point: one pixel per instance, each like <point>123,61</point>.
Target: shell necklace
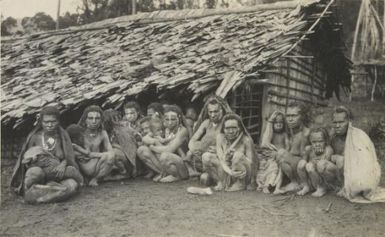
<point>48,143</point>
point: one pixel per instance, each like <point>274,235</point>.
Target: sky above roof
<point>23,8</point>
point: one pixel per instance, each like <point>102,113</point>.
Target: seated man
<point>95,140</point>
<point>56,183</point>
<point>297,120</point>
<point>316,161</point>
<point>204,137</point>
<point>356,160</point>
<point>231,166</point>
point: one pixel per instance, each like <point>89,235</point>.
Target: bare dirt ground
<point>143,208</point>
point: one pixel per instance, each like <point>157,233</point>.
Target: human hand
<point>60,169</point>
<point>197,153</point>
<point>212,149</point>
<point>239,174</point>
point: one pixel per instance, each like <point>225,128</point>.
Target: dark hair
<point>304,111</point>
<point>49,110</point>
<point>132,104</point>
<point>343,109</point>
<point>321,130</point>
<point>174,108</point>
<point>158,107</point>
<point>156,120</point>
<point>89,109</point>
<point>76,134</point>
<point>144,120</point>
<point>232,116</point>
<point>111,119</point>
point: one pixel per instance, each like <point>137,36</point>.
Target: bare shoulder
<point>220,137</point>
<point>306,131</point>
<point>205,123</point>
<point>247,140</point>
<point>35,139</point>
<point>104,134</point>
<point>307,149</point>
<point>183,131</point>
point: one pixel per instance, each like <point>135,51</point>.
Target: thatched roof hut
<point>266,54</point>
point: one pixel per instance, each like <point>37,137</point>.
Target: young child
<point>36,157</point>
<point>309,167</point>
<point>274,138</point>
<point>156,134</point>
<point>191,117</point>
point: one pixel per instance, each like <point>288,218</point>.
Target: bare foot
<point>204,179</point>
<point>319,192</point>
<point>237,186</point>
<point>93,182</point>
<point>157,178</point>
<point>193,173</point>
<point>219,187</point>
<point>278,191</point>
<point>304,190</point>
<point>293,186</point>
<point>149,175</point>
<point>341,192</point>
<point>169,179</point>
<point>266,190</point>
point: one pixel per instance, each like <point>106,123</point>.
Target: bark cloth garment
<point>362,172</point>
<point>17,180</point>
<point>223,149</point>
<point>269,173</point>
<point>207,141</point>
<point>123,138</point>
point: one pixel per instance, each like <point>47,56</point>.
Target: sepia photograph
<point>192,118</point>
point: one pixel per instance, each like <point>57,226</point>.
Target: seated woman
<point>96,141</point>
<point>54,177</point>
<point>123,140</point>
<point>232,167</point>
<point>274,138</point>
<point>167,159</point>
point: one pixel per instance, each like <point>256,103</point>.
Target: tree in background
<point>69,20</point>
<point>7,25</point>
<point>39,22</point>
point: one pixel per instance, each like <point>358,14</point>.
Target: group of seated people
<point>168,145</point>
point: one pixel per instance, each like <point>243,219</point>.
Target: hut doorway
<point>246,101</point>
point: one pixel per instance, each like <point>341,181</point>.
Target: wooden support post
<point>374,84</point>
<point>58,15</point>
<point>133,7</point>
<point>287,82</point>
<point>313,62</point>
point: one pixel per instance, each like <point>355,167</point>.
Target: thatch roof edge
<point>168,15</point>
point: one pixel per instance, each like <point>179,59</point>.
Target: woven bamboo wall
<point>293,78</point>
<point>246,101</point>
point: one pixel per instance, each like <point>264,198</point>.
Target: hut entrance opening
<point>246,101</point>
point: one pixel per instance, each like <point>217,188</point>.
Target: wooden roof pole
<point>383,32</point>
<point>310,29</point>
<point>359,19</point>
<point>58,15</point>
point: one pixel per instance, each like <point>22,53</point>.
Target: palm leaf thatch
<point>108,61</point>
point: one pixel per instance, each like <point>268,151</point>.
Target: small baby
<point>36,157</point>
